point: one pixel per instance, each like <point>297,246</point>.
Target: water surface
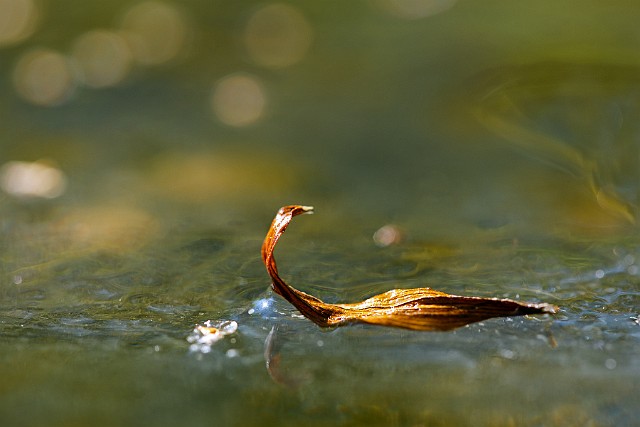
<point>499,139</point>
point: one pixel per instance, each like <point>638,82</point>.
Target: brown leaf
<point>420,309</point>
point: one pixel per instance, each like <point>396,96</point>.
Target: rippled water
<point>498,141</point>
<point>104,338</point>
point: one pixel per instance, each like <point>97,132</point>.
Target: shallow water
<point>498,140</point>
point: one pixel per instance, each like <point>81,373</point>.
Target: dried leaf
<point>420,309</point>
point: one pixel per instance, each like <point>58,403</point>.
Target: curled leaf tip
<point>420,308</point>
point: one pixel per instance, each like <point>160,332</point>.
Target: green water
<point>500,137</point>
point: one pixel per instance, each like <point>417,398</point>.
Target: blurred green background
<point>145,146</point>
<point>386,103</point>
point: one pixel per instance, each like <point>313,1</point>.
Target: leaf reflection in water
<point>273,360</point>
<point>419,309</point>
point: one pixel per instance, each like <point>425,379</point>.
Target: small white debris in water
<point>204,336</point>
<point>387,235</point>
<point>599,274</point>
<point>232,352</point>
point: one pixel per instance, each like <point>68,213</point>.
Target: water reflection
<point>277,36</point>
<point>32,180</point>
<point>207,334</point>
<point>159,225</point>
<point>104,58</point>
<point>583,119</point>
<point>157,31</point>
<point>416,9</point>
<point>150,33</point>
<point>278,371</point>
<point>18,20</point>
<point>208,175</point>
<point>238,100</point>
<point>44,77</point>
<point>111,228</point>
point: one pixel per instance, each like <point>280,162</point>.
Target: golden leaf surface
<point>419,309</point>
